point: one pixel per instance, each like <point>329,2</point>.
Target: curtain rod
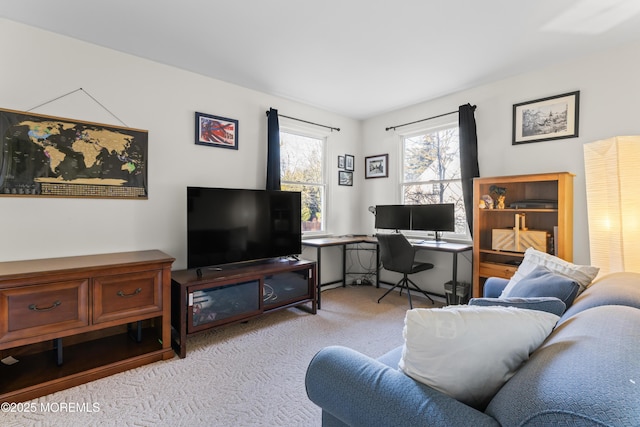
<point>421,120</point>
<point>311,123</point>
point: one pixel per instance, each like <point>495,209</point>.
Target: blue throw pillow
<point>541,282</point>
<point>548,304</point>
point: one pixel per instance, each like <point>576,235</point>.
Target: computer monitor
<point>433,217</point>
<point>393,217</point>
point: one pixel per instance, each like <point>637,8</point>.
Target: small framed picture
<point>376,166</point>
<point>340,162</point>
<point>555,117</point>
<point>349,162</point>
<point>345,178</point>
<point>216,131</point>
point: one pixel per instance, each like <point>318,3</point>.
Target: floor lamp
<point>612,175</point>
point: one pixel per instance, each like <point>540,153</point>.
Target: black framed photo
<point>345,178</point>
<point>340,162</point>
<point>555,117</point>
<point>216,131</point>
<point>349,161</point>
<point>376,166</point>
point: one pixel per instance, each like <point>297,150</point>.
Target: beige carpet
<point>248,374</point>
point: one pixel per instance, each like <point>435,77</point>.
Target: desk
<point>444,246</point>
<point>338,241</point>
<point>429,245</point>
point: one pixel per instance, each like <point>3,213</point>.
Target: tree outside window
<point>431,171</point>
<point>301,169</point>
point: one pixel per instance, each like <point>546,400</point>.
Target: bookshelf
<point>555,220</point>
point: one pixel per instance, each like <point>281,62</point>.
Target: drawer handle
<point>134,293</point>
<point>36,308</point>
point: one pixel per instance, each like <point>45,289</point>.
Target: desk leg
<point>318,259</point>
<point>454,277</point>
<point>377,265</point>
<point>344,266</point>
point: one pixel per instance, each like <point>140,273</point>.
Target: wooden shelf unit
<point>488,262</point>
<point>72,320</point>
<point>237,293</point>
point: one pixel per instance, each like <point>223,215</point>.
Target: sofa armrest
<point>494,286</point>
<point>360,391</point>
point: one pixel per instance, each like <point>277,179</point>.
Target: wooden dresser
<point>68,321</point>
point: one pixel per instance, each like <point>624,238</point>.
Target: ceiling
<point>357,58</point>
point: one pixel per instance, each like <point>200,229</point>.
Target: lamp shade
<point>612,175</point>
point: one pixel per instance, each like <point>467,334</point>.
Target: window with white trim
<point>302,166</point>
<point>431,171</point>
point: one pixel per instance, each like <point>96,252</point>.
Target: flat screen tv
<point>433,217</point>
<point>393,217</point>
<point>236,225</point>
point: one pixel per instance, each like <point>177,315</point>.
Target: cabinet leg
<point>57,346</point>
<point>136,334</point>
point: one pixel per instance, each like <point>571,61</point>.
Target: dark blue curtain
<point>273,150</point>
<point>468,157</point>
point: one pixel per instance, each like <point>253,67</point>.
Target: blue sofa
<point>587,373</point>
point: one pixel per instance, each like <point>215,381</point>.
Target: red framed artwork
<point>216,131</point>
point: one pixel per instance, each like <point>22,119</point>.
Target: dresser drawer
<point>134,295</point>
<point>31,311</point>
<point>489,269</point>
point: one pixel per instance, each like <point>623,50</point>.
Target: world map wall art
<point>58,157</point>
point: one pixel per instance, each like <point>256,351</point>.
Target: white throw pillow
<point>469,352</point>
<point>581,274</point>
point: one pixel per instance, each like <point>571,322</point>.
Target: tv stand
<point>206,297</point>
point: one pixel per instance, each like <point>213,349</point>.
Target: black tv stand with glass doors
<point>209,297</point>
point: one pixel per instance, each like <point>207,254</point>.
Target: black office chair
<point>397,254</point>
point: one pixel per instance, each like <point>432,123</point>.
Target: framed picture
<point>216,131</point>
<point>345,178</point>
<point>555,117</point>
<point>376,166</point>
<point>349,162</point>
<point>340,162</point>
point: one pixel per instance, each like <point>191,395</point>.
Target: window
<point>431,171</point>
<point>302,169</point>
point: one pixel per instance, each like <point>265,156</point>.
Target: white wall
<point>609,94</point>
<point>38,66</point>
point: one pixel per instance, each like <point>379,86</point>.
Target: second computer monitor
<point>435,217</point>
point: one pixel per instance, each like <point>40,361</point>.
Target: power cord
<point>268,293</point>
